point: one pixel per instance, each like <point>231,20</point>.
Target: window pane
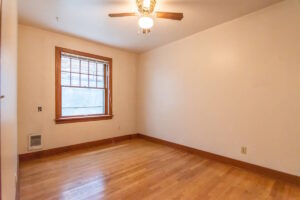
<point>100,81</point>
<point>84,80</point>
<point>65,78</point>
<point>92,68</point>
<point>92,81</point>
<point>84,67</point>
<point>65,64</point>
<point>82,101</point>
<point>100,69</point>
<point>74,79</point>
<point>75,65</point>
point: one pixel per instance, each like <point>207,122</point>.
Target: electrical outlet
<point>244,150</point>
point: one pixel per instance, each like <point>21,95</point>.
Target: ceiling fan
<point>146,13</point>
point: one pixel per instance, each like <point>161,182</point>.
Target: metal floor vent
<point>35,142</point>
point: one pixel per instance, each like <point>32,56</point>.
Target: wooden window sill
<point>64,120</point>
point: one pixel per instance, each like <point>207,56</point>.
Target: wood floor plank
<point>139,169</point>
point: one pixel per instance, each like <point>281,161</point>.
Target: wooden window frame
<point>59,119</point>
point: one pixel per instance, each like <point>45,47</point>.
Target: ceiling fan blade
<point>169,15</point>
<point>122,14</point>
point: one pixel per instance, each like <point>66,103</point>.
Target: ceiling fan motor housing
<point>143,9</point>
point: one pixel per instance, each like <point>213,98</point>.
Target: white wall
<point>237,84</point>
<point>9,103</point>
<point>37,87</point>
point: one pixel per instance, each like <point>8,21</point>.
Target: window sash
<point>94,80</point>
<point>71,108</point>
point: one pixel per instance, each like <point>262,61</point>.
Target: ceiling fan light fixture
<point>146,11</point>
<point>146,22</point>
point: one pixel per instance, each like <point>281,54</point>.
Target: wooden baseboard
<point>255,168</point>
<point>49,152</point>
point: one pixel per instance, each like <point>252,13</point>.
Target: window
<point>83,86</point>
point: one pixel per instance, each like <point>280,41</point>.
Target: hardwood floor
<point>138,169</point>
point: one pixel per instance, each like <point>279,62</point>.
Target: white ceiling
<point>89,19</point>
